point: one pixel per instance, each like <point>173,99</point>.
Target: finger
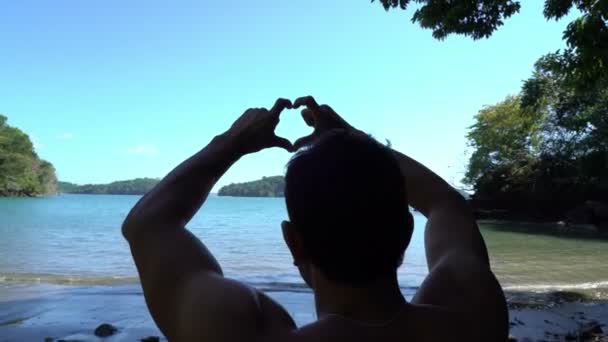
<point>308,117</point>
<point>282,143</point>
<point>279,105</point>
<point>304,141</point>
<point>326,108</point>
<point>307,101</point>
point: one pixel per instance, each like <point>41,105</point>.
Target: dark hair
<point>346,195</point>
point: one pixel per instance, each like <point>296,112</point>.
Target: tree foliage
<point>546,149</point>
<point>506,143</point>
<point>265,187</point>
<point>138,186</point>
<point>22,173</point>
<point>474,18</point>
<point>585,58</point>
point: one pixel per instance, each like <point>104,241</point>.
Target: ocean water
<point>76,239</point>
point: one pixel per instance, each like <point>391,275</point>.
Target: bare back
<point>423,323</point>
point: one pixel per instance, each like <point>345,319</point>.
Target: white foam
<point>558,287</point>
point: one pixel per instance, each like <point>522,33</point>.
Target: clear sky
<point>112,90</point>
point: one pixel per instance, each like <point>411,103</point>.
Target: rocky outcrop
<point>591,213</point>
<point>105,330</point>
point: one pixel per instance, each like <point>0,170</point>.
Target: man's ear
<point>294,242</point>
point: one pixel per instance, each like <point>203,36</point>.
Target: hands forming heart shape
<point>254,130</point>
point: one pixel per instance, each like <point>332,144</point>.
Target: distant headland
<point>137,186</point>
<point>22,172</point>
<point>266,187</point>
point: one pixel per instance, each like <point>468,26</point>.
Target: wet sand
<point>39,311</point>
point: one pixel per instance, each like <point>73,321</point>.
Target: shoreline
<point>33,312</point>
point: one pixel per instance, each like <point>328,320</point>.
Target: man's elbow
<point>131,227</point>
<point>127,229</point>
<point>140,221</point>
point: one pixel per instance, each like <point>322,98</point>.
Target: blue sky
<point>116,90</point>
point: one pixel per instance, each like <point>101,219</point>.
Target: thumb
<point>305,141</point>
<point>282,143</point>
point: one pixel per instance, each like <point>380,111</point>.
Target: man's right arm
<point>460,278</point>
<point>451,227</point>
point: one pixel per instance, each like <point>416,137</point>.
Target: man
<point>349,227</point>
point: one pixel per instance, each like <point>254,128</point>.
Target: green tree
<point>577,117</point>
<point>506,143</point>
<point>546,149</point>
<point>575,152</point>
<point>22,173</point>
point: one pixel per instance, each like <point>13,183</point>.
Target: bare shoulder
<point>214,308</point>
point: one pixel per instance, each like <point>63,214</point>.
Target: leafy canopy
<point>545,148</point>
<point>506,141</point>
<point>22,173</point>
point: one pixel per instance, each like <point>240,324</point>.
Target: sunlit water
<point>76,239</point>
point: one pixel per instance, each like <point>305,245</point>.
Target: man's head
<point>348,209</point>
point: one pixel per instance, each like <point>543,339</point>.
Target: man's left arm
<point>180,277</point>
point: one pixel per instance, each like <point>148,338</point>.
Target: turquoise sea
<point>76,239</point>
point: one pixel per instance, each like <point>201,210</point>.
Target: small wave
<point>558,287</point>
<point>65,279</point>
<point>278,286</point>
<point>270,285</point>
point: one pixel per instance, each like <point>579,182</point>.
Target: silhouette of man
<point>348,230</point>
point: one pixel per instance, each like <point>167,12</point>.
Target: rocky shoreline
<point>119,313</point>
<point>590,217</point>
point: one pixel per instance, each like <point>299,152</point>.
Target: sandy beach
<point>44,312</point>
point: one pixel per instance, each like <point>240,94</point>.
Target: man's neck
<point>376,302</point>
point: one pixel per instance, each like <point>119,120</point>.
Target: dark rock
<point>600,210</point>
<point>582,214</point>
<point>150,339</point>
<point>592,215</point>
<point>591,330</point>
<point>105,330</point>
<point>570,337</point>
<point>49,339</point>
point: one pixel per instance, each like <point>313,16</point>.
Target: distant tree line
<point>22,172</point>
<point>138,186</point>
<point>265,187</point>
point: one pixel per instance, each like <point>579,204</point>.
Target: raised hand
<point>254,130</point>
<point>321,117</point>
